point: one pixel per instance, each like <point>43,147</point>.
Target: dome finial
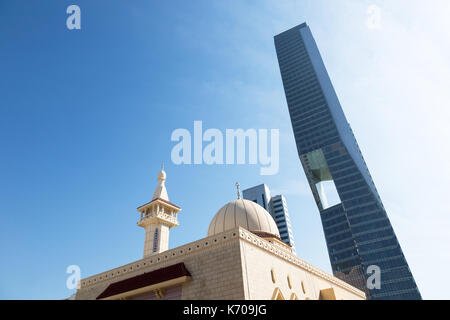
<point>238,189</point>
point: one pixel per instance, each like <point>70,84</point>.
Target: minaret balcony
<point>158,217</point>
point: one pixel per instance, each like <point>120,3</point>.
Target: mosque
<point>241,257</point>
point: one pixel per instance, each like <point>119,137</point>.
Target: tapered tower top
<point>161,191</point>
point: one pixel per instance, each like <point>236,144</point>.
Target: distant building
<point>357,229</point>
<point>242,257</point>
<point>279,212</point>
<point>277,208</point>
<point>259,194</point>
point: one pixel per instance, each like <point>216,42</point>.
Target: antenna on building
<point>238,189</point>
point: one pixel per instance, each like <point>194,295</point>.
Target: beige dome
<point>244,213</point>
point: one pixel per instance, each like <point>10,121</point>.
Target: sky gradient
<point>86,118</point>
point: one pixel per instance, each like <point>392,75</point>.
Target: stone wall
<point>268,271</point>
<point>213,262</point>
<point>235,264</point>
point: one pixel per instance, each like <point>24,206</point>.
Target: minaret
<point>157,218</point>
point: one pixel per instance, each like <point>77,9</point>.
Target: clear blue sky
<point>86,118</point>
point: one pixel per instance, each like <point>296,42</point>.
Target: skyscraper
<point>357,230</point>
<point>279,211</point>
<point>277,208</point>
<point>259,194</point>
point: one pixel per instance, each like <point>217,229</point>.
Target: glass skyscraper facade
<point>280,213</point>
<point>357,229</point>
<point>277,208</point>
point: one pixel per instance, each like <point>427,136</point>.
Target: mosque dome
<point>244,213</point>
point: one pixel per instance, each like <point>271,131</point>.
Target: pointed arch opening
<point>277,294</point>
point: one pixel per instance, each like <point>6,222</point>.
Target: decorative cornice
<point>159,200</point>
